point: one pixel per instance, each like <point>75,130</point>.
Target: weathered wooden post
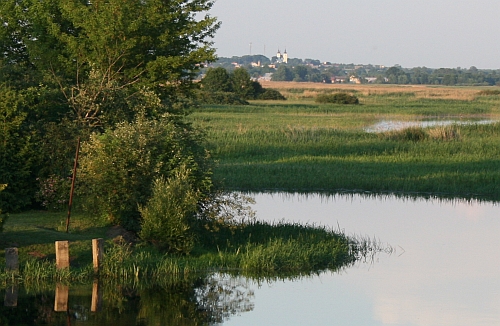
<point>62,295</point>
<point>97,253</point>
<point>62,254</point>
<point>12,259</point>
<point>96,297</point>
<point>11,296</point>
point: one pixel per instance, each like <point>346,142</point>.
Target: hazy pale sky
<point>412,33</point>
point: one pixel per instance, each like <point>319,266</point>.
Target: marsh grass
<point>305,146</point>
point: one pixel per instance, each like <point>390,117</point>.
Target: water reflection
<point>200,301</point>
<point>445,270</point>
<point>388,125</point>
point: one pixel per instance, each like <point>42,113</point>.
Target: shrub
<point>168,216</point>
<point>489,92</point>
<point>337,98</point>
<point>271,94</point>
<point>220,98</point>
<point>54,192</point>
<point>117,168</point>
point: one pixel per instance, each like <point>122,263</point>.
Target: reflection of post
<point>62,254</point>
<point>11,296</point>
<point>96,297</point>
<point>12,259</point>
<point>97,253</point>
<point>62,294</point>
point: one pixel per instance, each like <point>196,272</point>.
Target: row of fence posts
<point>62,262</point>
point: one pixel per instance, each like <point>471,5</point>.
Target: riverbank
<point>256,248</point>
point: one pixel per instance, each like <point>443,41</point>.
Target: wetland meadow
<point>391,225</point>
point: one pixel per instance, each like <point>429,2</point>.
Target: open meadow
<point>299,145</point>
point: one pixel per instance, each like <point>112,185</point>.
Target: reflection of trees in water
<point>197,301</point>
<point>223,296</point>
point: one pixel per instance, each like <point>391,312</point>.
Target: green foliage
<point>99,54</point>
<point>16,151</point>
<point>283,73</point>
<point>217,80</point>
<point>118,167</point>
<point>243,86</point>
<point>220,98</point>
<point>54,192</point>
<point>271,94</point>
<point>337,98</point>
<point>168,216</point>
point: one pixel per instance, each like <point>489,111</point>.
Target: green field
<point>299,145</point>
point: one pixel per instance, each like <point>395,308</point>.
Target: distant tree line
<point>310,70</point>
<point>220,86</point>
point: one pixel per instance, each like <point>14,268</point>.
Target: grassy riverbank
<point>257,248</point>
<point>299,145</point>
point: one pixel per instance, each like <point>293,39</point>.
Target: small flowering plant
<point>54,192</point>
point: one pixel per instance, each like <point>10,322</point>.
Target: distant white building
<point>282,58</point>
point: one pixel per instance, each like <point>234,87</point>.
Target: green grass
<point>254,249</point>
<point>304,147</point>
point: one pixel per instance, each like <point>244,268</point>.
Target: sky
<point>410,33</point>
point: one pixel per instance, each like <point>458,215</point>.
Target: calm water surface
<point>445,268</point>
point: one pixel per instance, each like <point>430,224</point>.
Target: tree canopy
<point>69,68</point>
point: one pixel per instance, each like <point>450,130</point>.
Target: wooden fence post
<point>12,259</point>
<point>62,295</point>
<point>62,254</point>
<point>97,253</point>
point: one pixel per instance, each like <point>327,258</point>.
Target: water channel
<point>443,269</point>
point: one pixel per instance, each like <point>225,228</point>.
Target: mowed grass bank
<point>299,145</point>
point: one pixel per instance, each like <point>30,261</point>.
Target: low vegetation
<point>325,146</point>
<point>253,248</point>
<point>337,98</point>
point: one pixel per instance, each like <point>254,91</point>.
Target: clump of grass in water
<point>444,133</point>
<point>416,134</point>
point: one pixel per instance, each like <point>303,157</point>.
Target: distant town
<point>281,67</point>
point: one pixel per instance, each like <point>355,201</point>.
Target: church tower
<point>285,57</point>
<point>278,55</point>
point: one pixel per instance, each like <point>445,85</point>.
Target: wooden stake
<point>62,254</point>
<point>97,253</point>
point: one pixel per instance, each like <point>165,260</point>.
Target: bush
<point>337,98</point>
<point>220,98</point>
<point>168,216</point>
<point>54,192</point>
<point>118,168</point>
<point>271,94</point>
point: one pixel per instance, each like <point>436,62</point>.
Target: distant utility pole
<point>250,48</point>
<point>264,50</point>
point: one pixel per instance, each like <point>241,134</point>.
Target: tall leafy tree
<point>217,80</point>
<point>103,55</point>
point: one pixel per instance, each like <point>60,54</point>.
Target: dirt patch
<point>120,235</point>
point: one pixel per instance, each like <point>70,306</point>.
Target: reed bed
<point>303,146</point>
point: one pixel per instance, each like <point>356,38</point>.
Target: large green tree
<point>103,55</point>
<point>82,66</point>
